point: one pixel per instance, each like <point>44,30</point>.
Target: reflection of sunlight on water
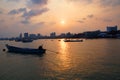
<point>63,47</point>
<point>64,56</point>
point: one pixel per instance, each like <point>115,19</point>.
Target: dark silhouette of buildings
<point>111,32</point>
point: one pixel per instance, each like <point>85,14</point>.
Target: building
<point>62,35</point>
<point>26,35</point>
<point>53,35</point>
<point>103,35</point>
<point>33,36</point>
<point>39,35</point>
<point>68,35</point>
<point>20,36</point>
<point>111,28</point>
<point>92,34</point>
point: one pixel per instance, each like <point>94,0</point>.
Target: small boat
<point>73,40</point>
<point>18,40</point>
<point>27,40</point>
<point>24,40</point>
<point>15,49</point>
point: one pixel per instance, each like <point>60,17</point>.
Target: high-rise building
<point>32,36</point>
<point>53,34</point>
<point>20,36</point>
<point>111,28</point>
<point>26,35</point>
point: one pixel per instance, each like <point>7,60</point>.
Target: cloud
<point>33,3</point>
<point>12,0</point>
<point>17,11</point>
<point>13,12</point>
<point>107,20</point>
<point>33,8</point>
<point>41,23</point>
<point>25,22</point>
<point>28,14</point>
<point>109,2</point>
<point>22,10</point>
<point>36,7</point>
<point>1,12</point>
<point>90,16</point>
<point>81,1</point>
<point>84,19</point>
<point>80,21</point>
<point>39,1</point>
<point>102,3</point>
<point>51,23</point>
<point>32,13</point>
<point>2,20</point>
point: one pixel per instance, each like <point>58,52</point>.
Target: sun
<point>62,22</point>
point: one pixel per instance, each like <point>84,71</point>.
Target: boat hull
<point>25,50</point>
<point>73,40</point>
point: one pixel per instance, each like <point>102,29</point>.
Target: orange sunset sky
<point>60,16</point>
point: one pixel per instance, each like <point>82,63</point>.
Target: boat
<point>18,40</point>
<point>27,40</point>
<point>23,40</point>
<point>73,40</point>
<point>15,49</point>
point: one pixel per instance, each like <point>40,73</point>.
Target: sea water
<point>92,59</point>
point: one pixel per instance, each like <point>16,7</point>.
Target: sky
<point>60,16</point>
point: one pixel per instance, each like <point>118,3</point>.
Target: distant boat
<point>73,40</point>
<point>11,39</point>
<point>18,40</point>
<point>27,40</point>
<point>24,40</point>
<point>15,49</point>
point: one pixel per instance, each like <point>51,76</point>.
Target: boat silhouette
<point>15,49</point>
